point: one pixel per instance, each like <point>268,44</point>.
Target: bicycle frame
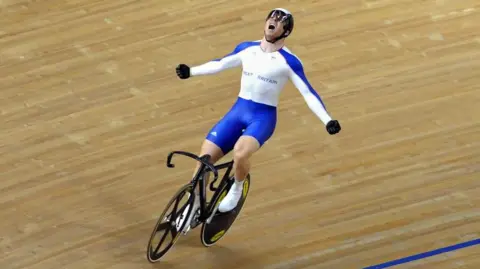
<point>206,166</point>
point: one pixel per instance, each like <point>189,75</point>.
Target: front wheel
<point>221,222</point>
<point>170,223</point>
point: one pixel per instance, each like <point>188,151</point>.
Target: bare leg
<point>216,154</point>
<point>243,150</point>
<point>213,150</point>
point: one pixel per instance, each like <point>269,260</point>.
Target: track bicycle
<point>177,218</point>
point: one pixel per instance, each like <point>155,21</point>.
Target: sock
<point>237,185</point>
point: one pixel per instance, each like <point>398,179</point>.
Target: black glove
<point>333,127</point>
<point>183,71</point>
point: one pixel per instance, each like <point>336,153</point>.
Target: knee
<point>244,149</point>
<point>240,156</point>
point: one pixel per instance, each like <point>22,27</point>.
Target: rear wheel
<point>170,223</point>
<point>221,222</point>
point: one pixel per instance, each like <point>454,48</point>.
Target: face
<point>274,26</point>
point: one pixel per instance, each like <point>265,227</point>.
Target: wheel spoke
<point>163,226</point>
<point>161,241</point>
<point>174,232</point>
<point>173,215</point>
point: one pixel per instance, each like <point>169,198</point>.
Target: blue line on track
<point>425,254</point>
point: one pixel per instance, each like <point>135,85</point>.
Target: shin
<point>241,165</point>
<point>243,150</point>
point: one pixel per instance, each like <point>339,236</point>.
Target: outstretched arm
<point>228,61</point>
<point>297,76</point>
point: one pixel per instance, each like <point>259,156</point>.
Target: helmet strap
<point>283,35</point>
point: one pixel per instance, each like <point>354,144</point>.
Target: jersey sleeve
<point>299,79</point>
<point>230,60</point>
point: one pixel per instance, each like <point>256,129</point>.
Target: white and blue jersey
<point>263,79</point>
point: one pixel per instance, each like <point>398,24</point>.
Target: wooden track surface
<point>90,107</point>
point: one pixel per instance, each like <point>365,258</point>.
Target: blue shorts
<point>244,118</point>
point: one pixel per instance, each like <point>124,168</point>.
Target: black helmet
<point>284,16</point>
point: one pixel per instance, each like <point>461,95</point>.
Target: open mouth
<point>271,27</point>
